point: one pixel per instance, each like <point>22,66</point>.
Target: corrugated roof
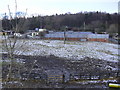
<point>76,35</point>
<point>98,36</point>
<point>68,34</point>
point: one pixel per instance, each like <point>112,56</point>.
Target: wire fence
<point>99,76</point>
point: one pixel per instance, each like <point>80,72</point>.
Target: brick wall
<point>98,39</point>
<point>78,39</point>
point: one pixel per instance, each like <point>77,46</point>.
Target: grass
<point>81,80</point>
<point>7,63</point>
<point>74,42</point>
<point>108,52</point>
<point>116,47</point>
<point>41,45</point>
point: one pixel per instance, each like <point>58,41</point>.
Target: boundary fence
<point>98,76</point>
<point>62,78</point>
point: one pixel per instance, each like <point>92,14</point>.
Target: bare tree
<point>12,45</point>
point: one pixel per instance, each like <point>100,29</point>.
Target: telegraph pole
<point>66,27</point>
<point>84,26</point>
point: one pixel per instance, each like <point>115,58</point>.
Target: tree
<point>113,28</point>
<point>12,46</point>
<point>23,25</point>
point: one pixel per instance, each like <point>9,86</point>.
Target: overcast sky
<point>49,7</point>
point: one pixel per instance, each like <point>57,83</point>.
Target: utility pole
<point>41,21</point>
<point>84,26</point>
<point>106,25</point>
<point>66,27</point>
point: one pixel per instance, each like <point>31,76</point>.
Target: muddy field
<point>35,71</point>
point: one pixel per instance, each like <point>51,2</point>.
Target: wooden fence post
<point>109,73</point>
<point>89,76</point>
<point>70,77</point>
<point>99,76</point>
<point>80,76</point>
<point>63,80</point>
<point>117,74</point>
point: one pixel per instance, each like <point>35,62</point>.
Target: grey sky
<point>48,7</point>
